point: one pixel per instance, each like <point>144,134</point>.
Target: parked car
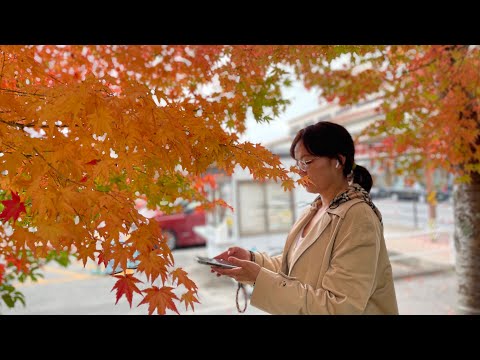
<point>179,226</point>
<point>379,193</point>
<point>406,194</point>
<point>443,195</point>
<point>402,192</point>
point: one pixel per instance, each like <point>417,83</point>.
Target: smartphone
<point>215,262</point>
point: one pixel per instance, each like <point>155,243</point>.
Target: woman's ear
<point>341,161</point>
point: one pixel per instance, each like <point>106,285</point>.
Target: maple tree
<point>85,130</point>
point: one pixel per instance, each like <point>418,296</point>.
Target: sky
<point>302,102</point>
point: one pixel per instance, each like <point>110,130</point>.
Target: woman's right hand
<point>234,251</point>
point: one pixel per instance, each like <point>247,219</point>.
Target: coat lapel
<point>293,234</point>
<point>311,237</point>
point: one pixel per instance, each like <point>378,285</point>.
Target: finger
<point>222,255</point>
<point>236,261</point>
<point>232,250</point>
<point>228,272</point>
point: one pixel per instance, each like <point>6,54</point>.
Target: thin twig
<point>23,93</point>
<point>3,66</point>
<point>13,123</point>
<point>51,166</point>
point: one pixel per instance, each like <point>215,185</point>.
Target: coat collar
<point>354,191</point>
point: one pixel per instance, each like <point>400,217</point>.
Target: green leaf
<point>22,300</point>
<point>102,188</point>
<point>8,300</point>
<point>8,288</point>
<point>61,257</point>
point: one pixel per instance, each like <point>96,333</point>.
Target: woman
<point>334,260</point>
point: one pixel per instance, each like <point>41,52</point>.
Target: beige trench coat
<point>341,267</point>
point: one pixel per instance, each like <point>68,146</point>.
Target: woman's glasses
<point>303,164</point>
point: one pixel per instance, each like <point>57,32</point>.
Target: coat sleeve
<point>272,263</point>
<point>347,284</point>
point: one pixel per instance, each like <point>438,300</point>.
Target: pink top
<point>298,240</point>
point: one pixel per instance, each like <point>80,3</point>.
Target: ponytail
<point>362,177</point>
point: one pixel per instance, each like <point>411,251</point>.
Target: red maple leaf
<point>160,299</point>
<point>2,271</point>
<point>13,208</point>
<point>101,259</point>
<point>20,264</point>
<point>93,162</point>
<point>126,286</point>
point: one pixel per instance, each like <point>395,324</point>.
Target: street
<point>403,213</point>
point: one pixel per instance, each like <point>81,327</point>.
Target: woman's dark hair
<point>331,140</point>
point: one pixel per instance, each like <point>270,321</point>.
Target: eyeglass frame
<point>303,164</point>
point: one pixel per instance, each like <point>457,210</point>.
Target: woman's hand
<point>245,271</point>
<point>235,251</point>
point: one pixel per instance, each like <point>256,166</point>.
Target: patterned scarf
<point>354,191</point>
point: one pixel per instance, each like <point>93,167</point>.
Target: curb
<point>415,266</point>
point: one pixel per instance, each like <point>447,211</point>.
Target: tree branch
<point>63,177</point>
<point>22,93</point>
<point>13,123</point>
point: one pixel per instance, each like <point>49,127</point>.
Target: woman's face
<point>320,169</point>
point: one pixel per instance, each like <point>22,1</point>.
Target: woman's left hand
<point>246,270</point>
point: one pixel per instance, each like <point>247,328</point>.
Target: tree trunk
<point>467,245</point>
<point>431,198</point>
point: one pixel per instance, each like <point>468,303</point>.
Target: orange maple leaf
<point>86,252</point>
<point>153,265</point>
<point>125,285</point>
<point>160,299</point>
<point>189,298</point>
<point>181,275</point>
<point>13,208</point>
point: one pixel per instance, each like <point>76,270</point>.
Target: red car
<point>179,227</point>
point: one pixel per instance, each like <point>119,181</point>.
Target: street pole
<point>415,213</point>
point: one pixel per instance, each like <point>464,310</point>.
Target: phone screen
<point>215,262</point>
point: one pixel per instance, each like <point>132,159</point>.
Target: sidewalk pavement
<point>423,250</point>
<point>423,264</point>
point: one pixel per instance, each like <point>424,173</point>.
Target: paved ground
<point>422,261</point>
<point>425,283</point>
